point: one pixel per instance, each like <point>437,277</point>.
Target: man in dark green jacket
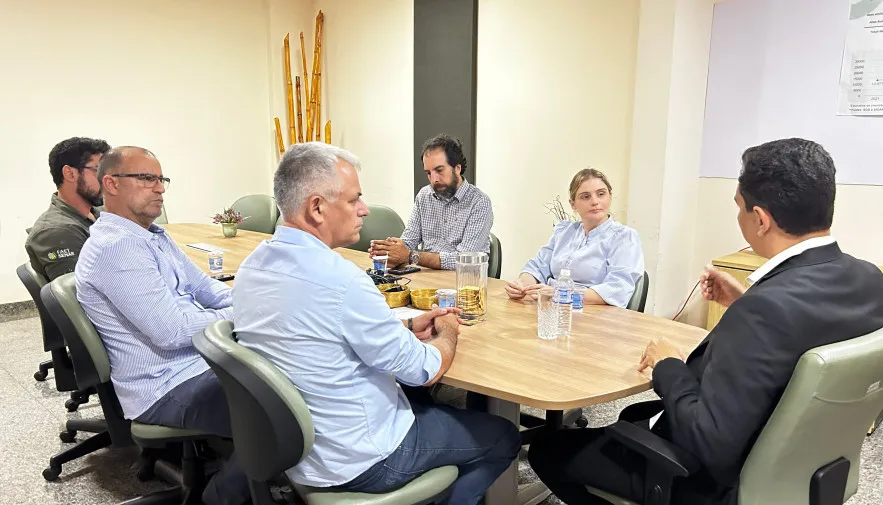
<point>55,240</point>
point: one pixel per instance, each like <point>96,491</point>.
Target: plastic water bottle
<point>563,299</point>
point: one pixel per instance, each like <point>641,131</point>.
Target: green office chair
<point>381,223</point>
<point>273,429</point>
<point>557,419</point>
<point>639,297</point>
<point>261,212</point>
<point>92,368</point>
<point>495,258</point>
<point>808,452</point>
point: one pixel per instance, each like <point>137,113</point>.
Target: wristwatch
<point>414,257</point>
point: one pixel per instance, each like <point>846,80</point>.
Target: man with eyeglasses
<point>54,242</point>
<point>146,300</point>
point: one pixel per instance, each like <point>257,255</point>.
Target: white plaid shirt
<point>460,224</point>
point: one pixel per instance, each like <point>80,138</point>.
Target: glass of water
<point>216,262</point>
<point>547,314</point>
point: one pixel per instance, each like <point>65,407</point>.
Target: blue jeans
<point>200,403</point>
<point>481,445</point>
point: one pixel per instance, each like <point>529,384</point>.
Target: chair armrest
<point>668,458</point>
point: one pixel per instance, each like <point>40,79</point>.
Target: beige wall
<point>287,17</point>
<point>856,217</point>
<point>367,92</point>
<point>186,79</point>
<point>669,112</point>
<point>554,96</point>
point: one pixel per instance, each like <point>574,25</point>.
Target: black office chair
<point>53,343</point>
<point>557,419</point>
<point>273,428</point>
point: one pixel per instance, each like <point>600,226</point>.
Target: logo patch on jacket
<point>61,253</point>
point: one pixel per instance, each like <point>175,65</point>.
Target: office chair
<point>273,429</point>
<point>261,211</point>
<point>93,371</point>
<point>808,452</point>
<point>53,343</point>
<point>639,297</point>
<point>380,223</point>
<point>495,258</point>
<point>557,419</point>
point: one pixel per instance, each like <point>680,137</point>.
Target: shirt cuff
<point>431,366</point>
<point>535,274</point>
<point>611,295</point>
<point>448,260</point>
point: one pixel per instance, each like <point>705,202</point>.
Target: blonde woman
<point>603,255</point>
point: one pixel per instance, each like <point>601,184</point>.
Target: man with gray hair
<point>321,320</point>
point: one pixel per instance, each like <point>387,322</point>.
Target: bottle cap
<point>565,272</point>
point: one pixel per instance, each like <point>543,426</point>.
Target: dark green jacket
<point>55,240</point>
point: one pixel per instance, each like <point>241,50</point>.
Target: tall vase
<point>229,229</point>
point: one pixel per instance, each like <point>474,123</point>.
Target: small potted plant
<point>229,221</point>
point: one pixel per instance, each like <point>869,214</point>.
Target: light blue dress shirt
<point>608,259</point>
<point>146,300</point>
<point>321,320</point>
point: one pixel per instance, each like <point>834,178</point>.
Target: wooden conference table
<point>502,357</point>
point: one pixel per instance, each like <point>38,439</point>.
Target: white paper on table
<point>407,312</point>
<point>207,247</point>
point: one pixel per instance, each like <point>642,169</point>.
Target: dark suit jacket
<point>717,402</point>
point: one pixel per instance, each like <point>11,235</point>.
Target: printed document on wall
<point>861,73</point>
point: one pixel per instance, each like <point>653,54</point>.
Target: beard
<point>446,191</point>
<point>93,197</point>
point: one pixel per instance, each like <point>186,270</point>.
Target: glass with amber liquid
<point>472,284</point>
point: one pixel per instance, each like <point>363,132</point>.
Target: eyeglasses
<point>89,168</point>
<point>147,180</point>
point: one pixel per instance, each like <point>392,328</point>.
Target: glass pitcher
<point>472,284</point>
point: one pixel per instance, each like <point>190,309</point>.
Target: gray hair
<point>309,169</point>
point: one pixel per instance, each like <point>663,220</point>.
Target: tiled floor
<point>32,414</point>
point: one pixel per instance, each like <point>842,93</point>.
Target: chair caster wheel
<point>71,405</point>
<point>40,376</point>
<point>582,422</point>
<point>68,436</point>
<point>145,473</point>
<point>51,472</point>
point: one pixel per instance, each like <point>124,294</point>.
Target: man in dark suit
<point>715,404</point>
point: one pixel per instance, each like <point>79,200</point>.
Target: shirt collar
<point>296,236</point>
<point>67,208</point>
<point>600,229</point>
<point>131,226</point>
<point>792,251</point>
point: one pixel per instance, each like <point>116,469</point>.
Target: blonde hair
<point>584,175</point>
